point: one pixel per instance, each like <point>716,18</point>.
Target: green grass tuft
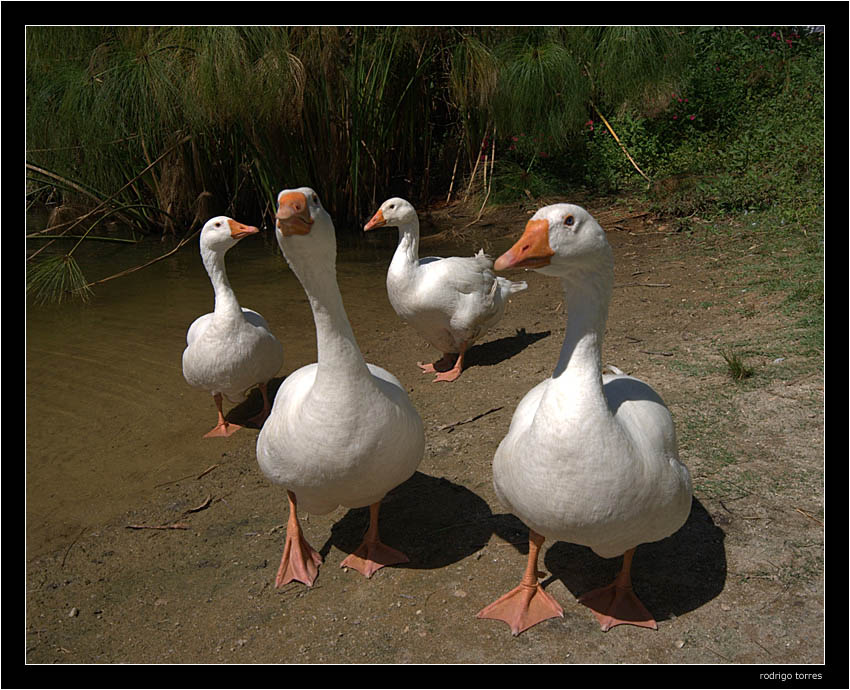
<point>737,369</point>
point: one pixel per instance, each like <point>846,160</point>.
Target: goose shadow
<point>673,576</point>
<point>496,351</point>
<point>243,413</point>
<point>434,521</point>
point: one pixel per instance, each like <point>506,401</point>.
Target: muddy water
<point>108,413</point>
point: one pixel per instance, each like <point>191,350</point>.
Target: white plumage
<point>451,302</point>
<point>588,458</point>
<point>231,349</point>
<point>341,431</point>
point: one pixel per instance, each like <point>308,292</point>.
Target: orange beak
<point>238,230</point>
<point>532,250</point>
<point>293,214</point>
<point>377,221</point>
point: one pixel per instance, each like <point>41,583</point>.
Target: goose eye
<point>315,199</point>
<point>569,221</point>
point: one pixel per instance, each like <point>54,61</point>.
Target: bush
<point>743,130</point>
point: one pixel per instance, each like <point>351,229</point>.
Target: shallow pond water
<point>108,413</point>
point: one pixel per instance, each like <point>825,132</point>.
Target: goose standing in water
<point>231,349</point>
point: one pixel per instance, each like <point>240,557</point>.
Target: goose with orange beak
<point>451,302</point>
<point>589,458</point>
<point>231,349</point>
<point>341,431</point>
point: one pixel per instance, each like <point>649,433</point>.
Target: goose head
<point>302,225</point>
<point>221,233</point>
<point>559,240</point>
<point>395,212</point>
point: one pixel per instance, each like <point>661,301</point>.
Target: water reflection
<point>108,414</point>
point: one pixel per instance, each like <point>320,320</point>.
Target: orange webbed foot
<point>614,605</point>
<point>523,607</point>
<point>300,562</point>
<point>370,557</point>
<point>223,429</point>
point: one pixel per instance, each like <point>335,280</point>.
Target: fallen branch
<point>203,506</point>
<point>811,517</point>
<point>450,427</point>
<point>207,471</point>
<point>176,525</point>
<point>643,285</point>
<point>71,545</point>
<point>188,476</point>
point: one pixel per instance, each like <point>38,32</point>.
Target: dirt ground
<point>741,583</point>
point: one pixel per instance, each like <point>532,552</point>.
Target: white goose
<point>451,302</point>
<point>589,458</point>
<point>232,348</point>
<point>341,431</point>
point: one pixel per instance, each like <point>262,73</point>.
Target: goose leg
<point>223,428</point>
<point>445,363</point>
<point>449,368</point>
<point>373,554</point>
<point>527,604</point>
<point>300,561</point>
<point>261,416</point>
<point>617,603</point>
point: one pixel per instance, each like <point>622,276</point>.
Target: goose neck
<point>337,348</point>
<point>407,251</point>
<point>226,303</point>
<point>579,365</point>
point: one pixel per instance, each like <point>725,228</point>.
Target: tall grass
<point>357,112</point>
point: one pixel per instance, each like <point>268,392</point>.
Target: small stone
<point>679,644</point>
<point>73,612</point>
